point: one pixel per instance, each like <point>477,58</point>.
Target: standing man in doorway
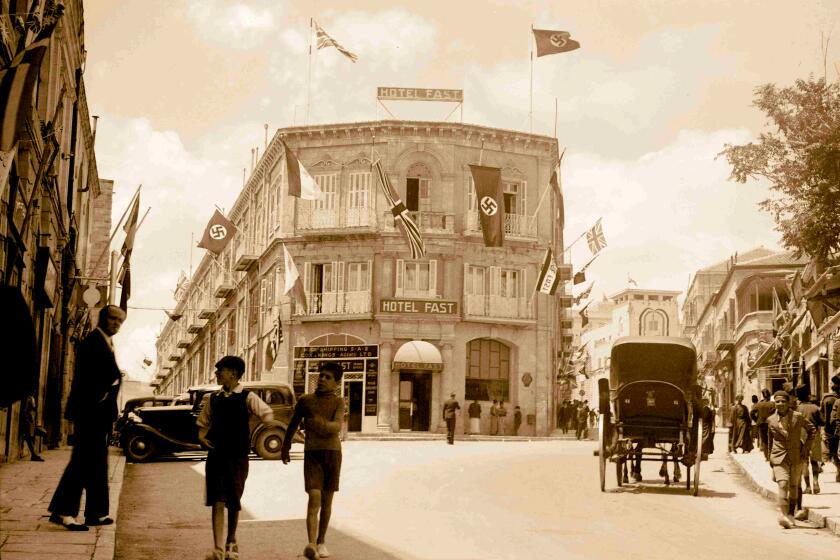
<point>450,407</point>
<point>475,417</point>
<point>92,407</point>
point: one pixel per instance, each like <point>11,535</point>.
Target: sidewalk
<point>823,508</point>
<point>25,531</point>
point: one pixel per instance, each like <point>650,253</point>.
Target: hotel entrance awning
<point>418,354</point>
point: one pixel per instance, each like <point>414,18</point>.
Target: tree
<point>801,160</point>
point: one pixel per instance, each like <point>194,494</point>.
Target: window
<point>358,195</point>
<point>417,188</point>
<point>475,280</point>
<point>416,279</point>
<point>488,370</point>
<point>358,277</point>
<point>509,283</point>
<point>329,186</point>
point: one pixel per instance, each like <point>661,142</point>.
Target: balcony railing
<point>429,222</point>
<point>498,307</point>
<point>755,321</point>
<point>725,339</point>
<point>338,303</point>
<point>334,218</point>
<point>516,225</point>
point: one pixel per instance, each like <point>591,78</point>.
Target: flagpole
<point>545,190</point>
<point>107,247</point>
<point>309,74</point>
<point>531,85</point>
<point>578,238</point>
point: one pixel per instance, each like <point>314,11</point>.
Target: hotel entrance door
<point>415,401</point>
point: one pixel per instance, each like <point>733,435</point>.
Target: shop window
<point>488,370</point>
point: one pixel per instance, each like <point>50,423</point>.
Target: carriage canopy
<point>653,358</point>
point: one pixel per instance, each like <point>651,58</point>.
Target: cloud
<point>235,26</point>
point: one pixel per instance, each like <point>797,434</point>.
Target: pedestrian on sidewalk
<point>92,407</point>
<point>450,407</point>
<point>791,436</point>
<point>561,417</point>
<point>582,418</point>
<point>517,419</point>
<point>501,413</point>
<point>811,411</point>
<point>753,425</point>
<point>223,429</point>
<point>474,412</point>
<point>763,410</point>
<point>740,432</point>
<point>321,415</point>
<point>831,430</point>
<point>494,418</point>
<point>30,428</point>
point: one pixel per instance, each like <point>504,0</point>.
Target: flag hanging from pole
<point>130,227</point>
<point>301,183</point>
<point>217,234</point>
<point>580,276</point>
<point>548,279</point>
<point>557,188</point>
<point>584,294</point>
<point>400,213</point>
<point>584,318</point>
<point>294,283</point>
<point>276,338</point>
<point>491,203</point>
<point>595,238</point>
<point>323,40</point>
<point>553,42</point>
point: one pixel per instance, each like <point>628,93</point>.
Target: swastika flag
<point>553,42</point>
<point>217,234</point>
<point>490,203</point>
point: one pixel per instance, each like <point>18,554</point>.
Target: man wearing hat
<point>449,408</point>
<point>763,410</point>
<point>830,437</point>
<point>791,436</point>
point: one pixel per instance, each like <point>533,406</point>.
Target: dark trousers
<point>88,471</point>
<point>763,440</point>
<point>450,430</point>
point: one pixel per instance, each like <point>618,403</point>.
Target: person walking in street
<point>501,413</point>
<point>517,419</point>
<point>321,414</point>
<point>740,431</point>
<point>494,418</point>
<point>223,429</point>
<point>92,407</point>
<point>30,428</point>
<point>561,416</point>
<point>763,410</point>
<point>753,425</point>
<point>581,420</point>
<point>450,407</point>
<point>831,430</point>
<point>790,437</point>
<point>811,411</point>
<point>474,412</point>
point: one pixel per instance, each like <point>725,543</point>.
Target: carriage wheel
<point>619,466</point>
<point>699,457</point>
<point>602,449</point>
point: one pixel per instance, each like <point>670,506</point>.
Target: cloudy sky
<point>183,89</point>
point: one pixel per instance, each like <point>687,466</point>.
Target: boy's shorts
<point>321,469</point>
<point>225,480</point>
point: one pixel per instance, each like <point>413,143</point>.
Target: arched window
<point>336,339</point>
<point>654,322</point>
<point>488,370</point>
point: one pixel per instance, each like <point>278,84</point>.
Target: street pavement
<point>429,500</point>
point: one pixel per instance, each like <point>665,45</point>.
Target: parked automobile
<point>132,404</point>
<point>150,432</point>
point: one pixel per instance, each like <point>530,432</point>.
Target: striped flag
<point>294,283</point>
<point>595,237</point>
<point>549,279</point>
<point>324,40</point>
<point>301,183</point>
<point>400,212</point>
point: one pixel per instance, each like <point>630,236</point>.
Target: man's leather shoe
<point>69,525</point>
<point>93,521</point>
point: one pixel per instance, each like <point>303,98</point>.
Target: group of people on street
<point>577,416</point>
<point>498,414</point>
<point>788,426</point>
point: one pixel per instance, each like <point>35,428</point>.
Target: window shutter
<point>523,296</point>
<point>433,278</point>
<point>307,273</point>
<point>369,278</point>
<point>468,288</point>
<point>398,291</point>
<point>523,207</point>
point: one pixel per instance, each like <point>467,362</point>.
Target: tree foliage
<point>800,157</point>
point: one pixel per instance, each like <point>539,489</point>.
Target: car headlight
<point>134,417</point>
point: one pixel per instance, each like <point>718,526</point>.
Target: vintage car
<point>132,404</point>
<point>150,432</point>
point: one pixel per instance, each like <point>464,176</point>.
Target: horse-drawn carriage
<point>651,409</point>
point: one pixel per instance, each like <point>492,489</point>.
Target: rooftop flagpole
<point>531,86</point>
<point>309,74</point>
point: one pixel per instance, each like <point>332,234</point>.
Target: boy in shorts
<point>223,428</point>
<point>321,414</point>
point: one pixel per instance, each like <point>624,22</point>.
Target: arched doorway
<point>415,362</point>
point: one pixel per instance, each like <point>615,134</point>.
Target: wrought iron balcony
<point>338,304</point>
<point>310,218</point>
<point>499,307</point>
<point>516,225</point>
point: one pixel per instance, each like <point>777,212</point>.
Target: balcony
<point>516,225</point>
<point>310,218</point>
<point>173,357</point>
<point>224,290</point>
<point>183,343</point>
<point>427,222</point>
<point>755,321</point>
<point>206,313</point>
<point>245,261</point>
<point>195,327</point>
<point>338,304</point>
<point>726,340</point>
<point>497,307</point>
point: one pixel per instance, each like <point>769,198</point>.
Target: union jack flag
<point>595,237</point>
<point>400,212</point>
<point>324,40</point>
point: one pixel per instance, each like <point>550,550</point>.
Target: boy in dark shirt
<point>321,414</point>
<point>223,429</point>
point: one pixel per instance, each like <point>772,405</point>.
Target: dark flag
<point>580,276</point>
<point>401,215</point>
<point>558,194</point>
<point>130,229</point>
<point>491,203</point>
<point>584,294</point>
<point>553,42</point>
<point>173,316</point>
<point>217,234</point>
<point>125,282</point>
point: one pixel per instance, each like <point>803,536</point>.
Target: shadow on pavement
<point>674,490</point>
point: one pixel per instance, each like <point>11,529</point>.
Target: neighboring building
<point>630,312</point>
<point>736,324</point>
<point>464,319</point>
<point>54,209</point>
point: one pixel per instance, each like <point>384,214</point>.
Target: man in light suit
<point>92,407</point>
<point>791,436</point>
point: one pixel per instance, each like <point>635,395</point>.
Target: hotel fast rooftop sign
<point>385,93</point>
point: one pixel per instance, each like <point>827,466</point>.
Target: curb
<point>106,538</point>
<point>821,521</point>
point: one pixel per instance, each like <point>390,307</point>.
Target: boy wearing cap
<point>791,436</point>
<point>223,428</point>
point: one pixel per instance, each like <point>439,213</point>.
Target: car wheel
<point>139,447</point>
<point>270,443</point>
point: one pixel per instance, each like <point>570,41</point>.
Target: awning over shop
<point>418,354</point>
<point>18,346</point>
<point>813,354</point>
